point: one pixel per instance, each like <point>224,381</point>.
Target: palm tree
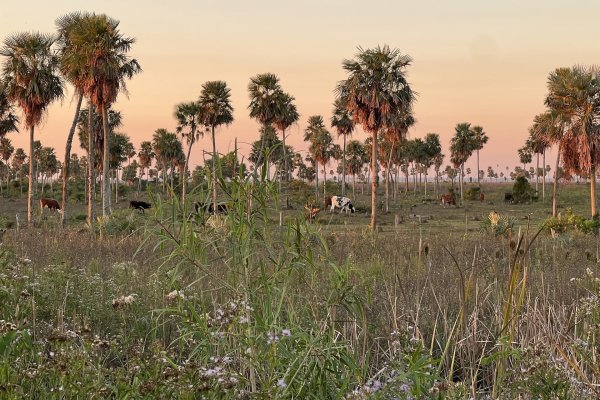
<point>146,155</point>
<point>286,116</point>
<point>108,66</point>
<point>74,69</point>
<point>356,158</point>
<point>215,110</point>
<point>18,161</point>
<point>166,147</point>
<point>31,82</point>
<point>546,129</point>
<point>341,120</point>
<point>375,90</point>
<point>480,140</point>
<point>265,99</point>
<point>574,94</point>
<point>462,145</point>
<point>396,133</point>
<point>187,116</point>
<point>8,119</point>
<point>320,146</point>
<point>6,150</point>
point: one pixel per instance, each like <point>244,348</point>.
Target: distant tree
<point>342,121</point>
<point>286,116</point>
<point>8,119</point>
<point>356,158</point>
<point>188,126</point>
<point>166,148</point>
<point>215,110</point>
<point>145,156</point>
<point>320,146</point>
<point>18,162</point>
<point>480,139</point>
<point>31,81</point>
<point>462,145</point>
<point>6,151</point>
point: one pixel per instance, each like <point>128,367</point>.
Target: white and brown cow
<point>447,199</point>
<point>50,204</point>
<point>343,203</point>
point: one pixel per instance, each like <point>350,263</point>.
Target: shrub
<point>572,222</point>
<point>473,193</point>
<point>522,190</point>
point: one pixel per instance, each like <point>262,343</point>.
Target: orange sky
<point>474,61</point>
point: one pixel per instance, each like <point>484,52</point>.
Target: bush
<point>572,222</point>
<point>472,193</point>
<point>522,190</point>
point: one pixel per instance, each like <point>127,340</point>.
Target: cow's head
<point>351,207</point>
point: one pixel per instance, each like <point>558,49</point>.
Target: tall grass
<point>236,306</point>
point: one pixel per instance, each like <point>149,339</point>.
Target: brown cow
<point>50,203</point>
<point>447,199</point>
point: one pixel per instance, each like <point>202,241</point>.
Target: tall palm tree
<point>215,110</point>
<point>166,147</point>
<point>29,71</point>
<point>8,119</point>
<point>376,89</point>
<point>480,140</point>
<point>105,51</point>
<point>265,95</point>
<point>187,117</point>
<point>286,116</point>
<point>341,120</point>
<point>574,94</point>
<point>462,145</point>
<point>395,134</point>
<point>74,69</point>
<point>356,158</point>
<point>546,129</point>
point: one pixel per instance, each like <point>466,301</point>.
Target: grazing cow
<point>481,197</point>
<point>311,212</point>
<point>50,203</point>
<point>343,203</point>
<point>139,205</point>
<point>208,207</point>
<point>508,198</point>
<point>447,199</point>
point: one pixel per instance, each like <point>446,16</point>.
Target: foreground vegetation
<point>236,306</point>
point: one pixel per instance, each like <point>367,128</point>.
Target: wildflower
<point>286,332</point>
<point>244,320</point>
<point>281,384</point>
<point>404,387</point>
<point>272,338</point>
<point>124,301</point>
<point>175,294</point>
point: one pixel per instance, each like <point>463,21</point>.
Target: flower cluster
<point>124,301</point>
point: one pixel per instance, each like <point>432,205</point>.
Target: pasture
<point>241,307</point>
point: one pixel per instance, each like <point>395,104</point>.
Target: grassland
<point>239,307</point>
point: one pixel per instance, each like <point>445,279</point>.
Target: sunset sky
<point>476,61</point>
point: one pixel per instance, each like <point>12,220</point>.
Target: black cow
<point>139,205</point>
<point>209,208</point>
<point>343,203</point>
<point>508,198</point>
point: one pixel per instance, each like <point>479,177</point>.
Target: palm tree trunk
<point>537,170</point>
<point>544,175</point>
<point>91,178</point>
<point>116,185</point>
<point>478,183</point>
<point>285,174</point>
<point>29,191</point>
<point>324,181</point>
<point>387,179</point>
<point>66,164</point>
<point>554,189</point>
<point>317,182</point>
<point>593,189</point>
<point>374,182</point>
<point>105,177</point>
<point>462,178</point>
<point>353,186</point>
<point>425,183</point>
<point>344,170</point>
<point>185,168</point>
<point>214,171</point>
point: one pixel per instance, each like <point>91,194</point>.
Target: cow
<point>481,197</point>
<point>508,198</point>
<point>50,203</point>
<point>208,207</point>
<point>447,199</point>
<point>343,203</point>
<point>139,205</point>
<point>311,212</point>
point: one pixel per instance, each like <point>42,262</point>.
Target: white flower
<point>286,332</point>
<point>281,383</point>
<point>175,294</point>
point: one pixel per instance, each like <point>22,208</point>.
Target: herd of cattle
<point>344,204</point>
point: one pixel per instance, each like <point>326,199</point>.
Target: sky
<point>483,62</point>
